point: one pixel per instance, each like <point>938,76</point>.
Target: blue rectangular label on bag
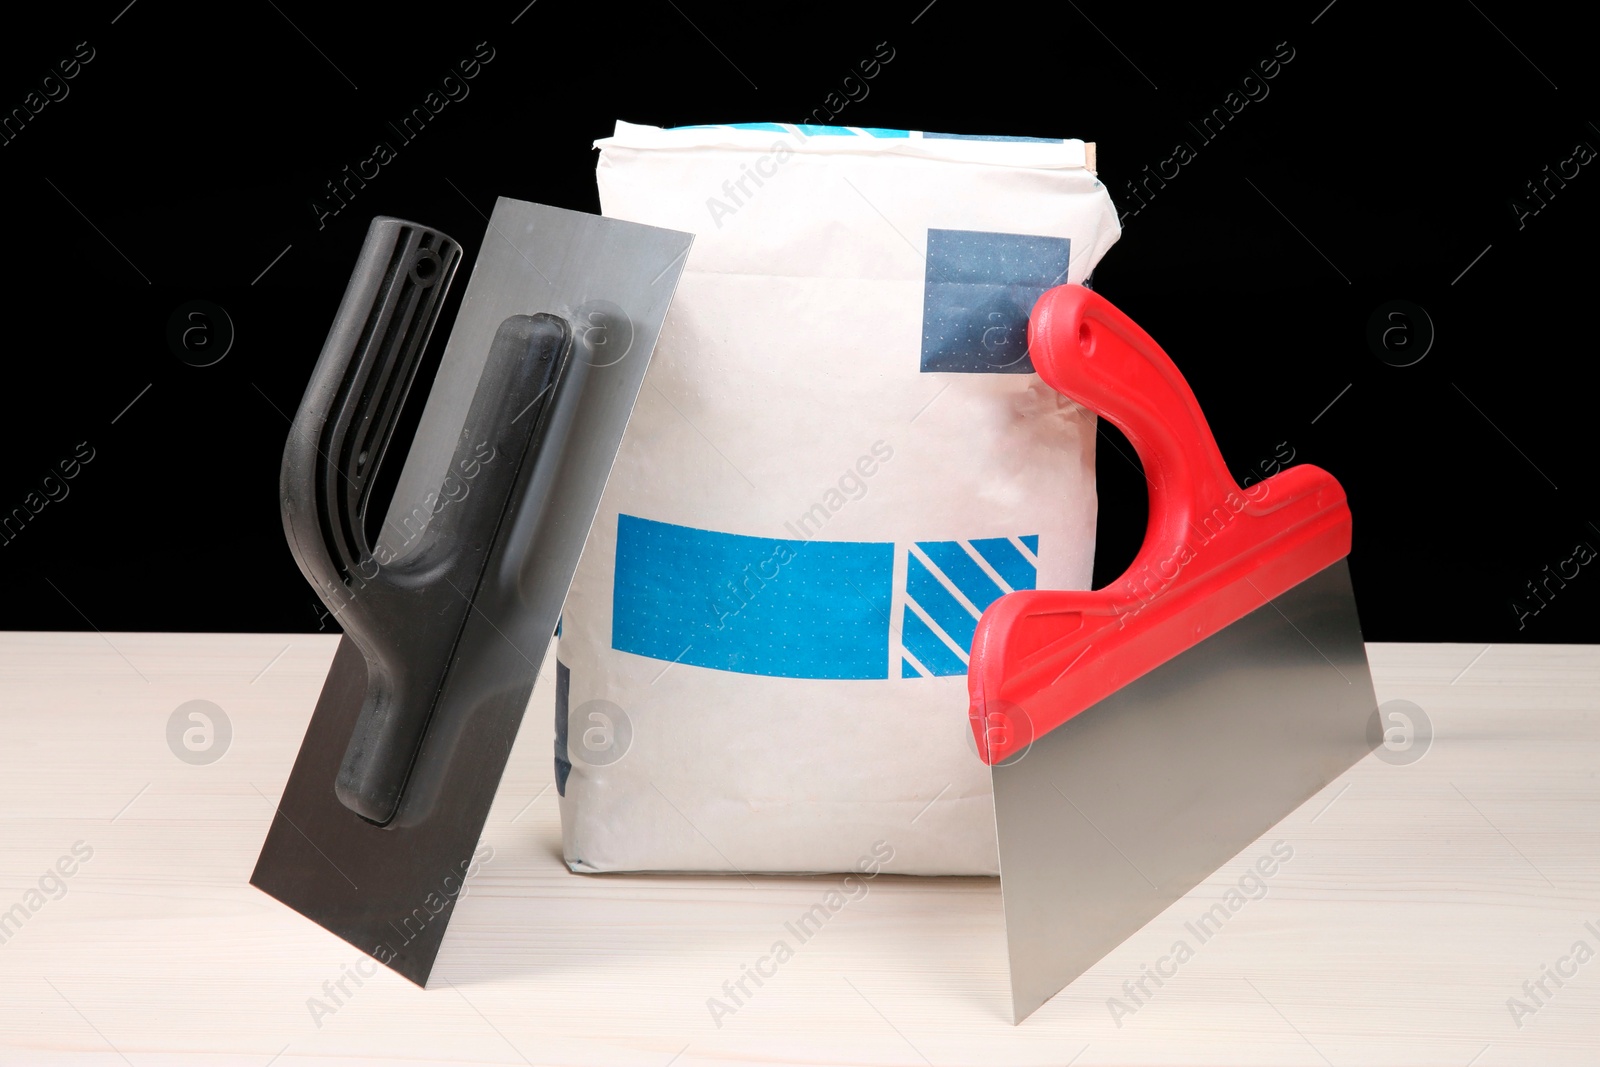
<point>806,608</point>
<point>790,609</point>
<point>979,290</point>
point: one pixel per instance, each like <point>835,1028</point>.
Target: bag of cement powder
<point>840,456</point>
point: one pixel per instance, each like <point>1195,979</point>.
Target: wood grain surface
<point>1418,901</point>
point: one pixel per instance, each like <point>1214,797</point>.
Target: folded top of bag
<point>767,137</point>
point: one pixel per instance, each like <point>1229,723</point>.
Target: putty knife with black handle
<point>449,607</point>
<point>1141,735</point>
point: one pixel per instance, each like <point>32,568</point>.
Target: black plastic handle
<point>404,605</point>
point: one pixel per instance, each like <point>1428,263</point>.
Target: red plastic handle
<point>1212,552</point>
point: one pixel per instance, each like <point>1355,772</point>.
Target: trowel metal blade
<point>391,890</point>
<point>1113,816</point>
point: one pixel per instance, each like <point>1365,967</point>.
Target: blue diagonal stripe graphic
<point>945,610</point>
<point>966,575</point>
<point>924,644</point>
<point>1007,562</point>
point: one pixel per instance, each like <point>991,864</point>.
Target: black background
<point>1382,165</point>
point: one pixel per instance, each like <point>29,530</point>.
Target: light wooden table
<point>1418,901</point>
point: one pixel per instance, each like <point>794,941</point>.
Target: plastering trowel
<point>449,603</point>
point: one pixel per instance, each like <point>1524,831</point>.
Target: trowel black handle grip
<point>404,600</point>
<point>408,616</point>
<point>354,399</point>
<point>339,441</point>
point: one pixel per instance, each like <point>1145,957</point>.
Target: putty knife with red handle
<point>1141,735</point>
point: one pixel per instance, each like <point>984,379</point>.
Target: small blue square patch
<point>978,293</point>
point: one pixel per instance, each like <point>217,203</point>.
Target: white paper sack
<point>840,456</point>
